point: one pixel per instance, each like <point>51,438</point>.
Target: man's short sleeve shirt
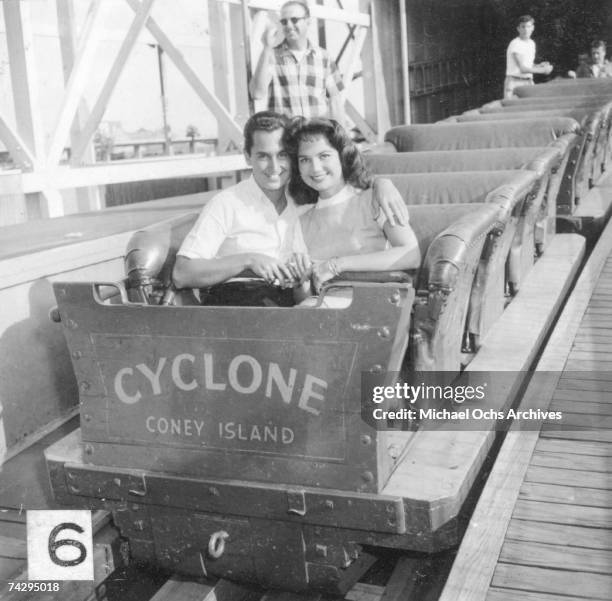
<point>524,48</point>
<point>242,219</point>
<point>303,87</point>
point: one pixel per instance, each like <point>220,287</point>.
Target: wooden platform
<point>542,529</point>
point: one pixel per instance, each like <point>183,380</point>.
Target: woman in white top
<point>343,231</point>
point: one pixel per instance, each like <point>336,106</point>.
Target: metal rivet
<point>366,439</point>
<point>384,332</point>
<point>368,476</point>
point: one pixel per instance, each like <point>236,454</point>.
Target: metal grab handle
<point>216,543</point>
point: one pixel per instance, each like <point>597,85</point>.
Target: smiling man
<point>297,78</point>
<point>248,226</point>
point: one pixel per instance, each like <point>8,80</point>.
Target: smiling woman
<point>344,231</point>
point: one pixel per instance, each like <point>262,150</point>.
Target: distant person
<point>297,78</point>
<point>520,57</point>
<point>597,66</point>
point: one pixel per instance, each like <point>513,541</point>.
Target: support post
<point>88,198</point>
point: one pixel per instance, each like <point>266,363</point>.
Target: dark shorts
<point>247,294</point>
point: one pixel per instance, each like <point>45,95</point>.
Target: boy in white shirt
<point>520,57</point>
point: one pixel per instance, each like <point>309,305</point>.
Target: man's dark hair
<point>598,44</point>
<point>298,3</point>
<point>525,19</point>
<point>262,121</point>
<point>353,166</point>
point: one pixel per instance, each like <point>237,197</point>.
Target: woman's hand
<point>387,197</point>
<point>322,271</point>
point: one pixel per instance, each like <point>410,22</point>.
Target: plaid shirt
<point>303,88</point>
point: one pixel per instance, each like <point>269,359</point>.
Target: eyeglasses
<point>294,20</point>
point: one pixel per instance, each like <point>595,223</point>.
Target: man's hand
<point>269,269</point>
<point>271,35</point>
<point>387,197</point>
<point>300,267</point>
<point>546,67</point>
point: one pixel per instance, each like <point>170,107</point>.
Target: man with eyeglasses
<point>295,76</point>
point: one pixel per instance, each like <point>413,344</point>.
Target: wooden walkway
<point>542,529</point>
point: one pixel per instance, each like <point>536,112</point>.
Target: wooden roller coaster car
<point>229,441</point>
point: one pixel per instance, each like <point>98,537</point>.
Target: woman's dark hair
<point>353,166</point>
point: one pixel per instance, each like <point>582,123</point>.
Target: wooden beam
<point>76,84</point>
<point>20,46</point>
<point>317,11</point>
<point>355,56</point>
<point>65,177</point>
<point>364,127</point>
<point>224,119</point>
<point>138,23</point>
<point>88,198</point>
<point>405,61</point>
<point>16,146</point>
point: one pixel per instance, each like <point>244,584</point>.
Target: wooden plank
<point>569,461</point>
<point>590,365</point>
<point>578,447</point>
<point>318,11</point>
<point>560,534</point>
<point>139,170</point>
<point>563,513</point>
<point>558,557</point>
<point>586,385</point>
<point>565,477</point>
<point>582,406</point>
<point>573,495</point>
<point>586,396</point>
<point>550,431</point>
<point>591,586</point>
<point>97,112</point>
<point>12,548</point>
<point>176,588</point>
<point>404,578</point>
<point>362,591</point>
<point>593,346</point>
<point>503,594</point>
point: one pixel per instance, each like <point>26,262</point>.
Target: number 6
<point>55,544</point>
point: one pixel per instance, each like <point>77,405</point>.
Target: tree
<point>192,133</point>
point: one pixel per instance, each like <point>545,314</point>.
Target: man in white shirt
<point>520,57</point>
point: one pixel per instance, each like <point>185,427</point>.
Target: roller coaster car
<point>229,441</point>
